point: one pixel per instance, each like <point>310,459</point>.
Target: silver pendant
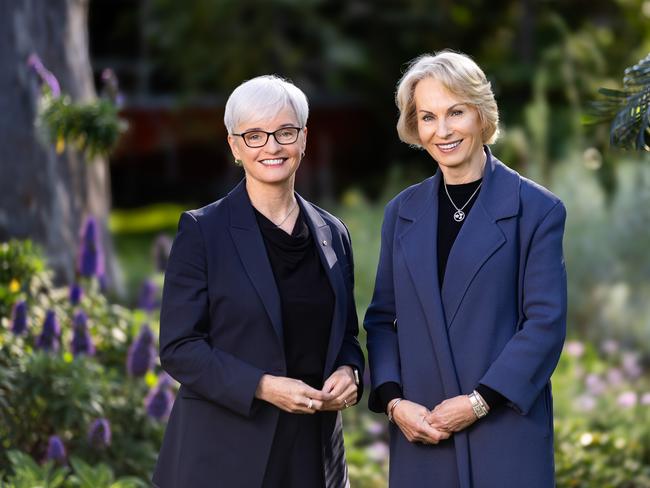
<point>459,216</point>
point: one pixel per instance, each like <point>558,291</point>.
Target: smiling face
<point>274,163</point>
<point>450,130</point>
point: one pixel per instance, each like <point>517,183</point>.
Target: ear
<point>234,147</point>
<point>304,139</point>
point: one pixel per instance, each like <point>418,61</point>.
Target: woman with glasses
<point>258,321</point>
<point>468,315</point>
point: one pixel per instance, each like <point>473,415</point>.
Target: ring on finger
<point>310,404</point>
<point>346,403</point>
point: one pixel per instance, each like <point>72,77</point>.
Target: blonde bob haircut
<point>462,77</point>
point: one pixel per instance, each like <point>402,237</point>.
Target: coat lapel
<point>322,234</point>
<point>250,245</point>
<point>480,237</point>
<point>419,221</point>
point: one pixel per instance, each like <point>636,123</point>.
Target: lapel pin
<point>324,243</point>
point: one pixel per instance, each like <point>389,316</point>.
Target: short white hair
<point>264,97</point>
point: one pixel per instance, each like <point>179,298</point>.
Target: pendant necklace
<point>295,206</point>
<point>459,215</point>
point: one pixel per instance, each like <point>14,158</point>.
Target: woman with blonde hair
<point>468,316</point>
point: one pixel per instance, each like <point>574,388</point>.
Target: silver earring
<point>239,162</point>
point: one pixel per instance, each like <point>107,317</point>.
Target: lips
<point>448,147</point>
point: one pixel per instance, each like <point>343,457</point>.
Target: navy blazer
<point>221,330</point>
<point>500,320</point>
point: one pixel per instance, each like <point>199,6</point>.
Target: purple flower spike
<point>82,342</point>
<point>76,292</point>
<point>159,402</point>
<point>46,76</point>
<point>162,246</point>
<point>99,434</point>
<point>55,450</point>
<point>19,318</point>
<point>141,353</point>
<point>147,300</point>
<point>49,338</point>
<point>91,257</point>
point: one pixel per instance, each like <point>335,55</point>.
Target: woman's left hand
<point>452,415</point>
<point>342,386</point>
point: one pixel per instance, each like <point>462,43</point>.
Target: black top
<point>306,298</point>
<point>448,229</point>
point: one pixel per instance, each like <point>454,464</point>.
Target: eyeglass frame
<point>269,134</point>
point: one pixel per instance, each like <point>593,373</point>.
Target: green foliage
<point>57,393</point>
<point>28,474</point>
<point>628,109</point>
<point>20,261</point>
<point>92,127</point>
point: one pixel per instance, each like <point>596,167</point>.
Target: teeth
<point>272,162</point>
<point>447,147</point>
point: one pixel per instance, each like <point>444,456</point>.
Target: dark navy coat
<point>221,330</point>
<point>500,320</point>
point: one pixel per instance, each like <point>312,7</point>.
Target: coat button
<point>324,243</point>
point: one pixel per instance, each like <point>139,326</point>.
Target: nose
<point>271,144</point>
<point>443,129</point>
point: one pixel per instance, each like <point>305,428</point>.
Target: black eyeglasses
<point>259,138</point>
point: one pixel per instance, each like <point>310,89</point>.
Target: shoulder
<point>411,194</point>
<point>538,200</point>
<point>336,224</point>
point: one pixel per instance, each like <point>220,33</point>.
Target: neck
<point>272,201</point>
<point>465,173</point>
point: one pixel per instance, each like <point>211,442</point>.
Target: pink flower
<point>631,364</point>
<point>377,451</point>
<point>575,348</point>
<point>627,399</point>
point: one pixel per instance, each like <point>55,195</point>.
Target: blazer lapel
<point>323,240</point>
<point>250,245</point>
<point>419,248</point>
<point>480,237</point>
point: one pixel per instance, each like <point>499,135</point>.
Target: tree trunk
<point>45,196</point>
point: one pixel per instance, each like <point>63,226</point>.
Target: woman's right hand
<point>290,395</point>
<point>410,417</point>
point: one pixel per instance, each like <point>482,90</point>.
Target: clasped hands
<point>419,424</point>
<point>295,396</point>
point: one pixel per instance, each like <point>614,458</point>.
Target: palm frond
<point>627,109</point>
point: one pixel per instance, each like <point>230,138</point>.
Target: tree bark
<point>45,196</point>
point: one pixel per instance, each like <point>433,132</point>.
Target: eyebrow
<point>262,130</point>
<point>450,108</point>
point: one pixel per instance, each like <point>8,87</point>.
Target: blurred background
<point>111,124</point>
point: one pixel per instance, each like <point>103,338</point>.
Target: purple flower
<point>82,342</point>
<point>49,338</point>
<point>645,399</point>
<point>615,377</point>
<point>111,88</point>
<point>91,258</point>
<point>46,76</point>
<point>141,353</point>
<point>595,384</point>
<point>99,434</point>
<point>162,246</point>
<point>631,364</point>
<point>19,317</point>
<point>378,451</point>
<point>627,399</point>
<point>164,380</point>
<point>610,347</point>
<point>147,300</point>
<point>159,402</point>
<point>586,403</point>
<point>55,450</point>
<point>76,292</point>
